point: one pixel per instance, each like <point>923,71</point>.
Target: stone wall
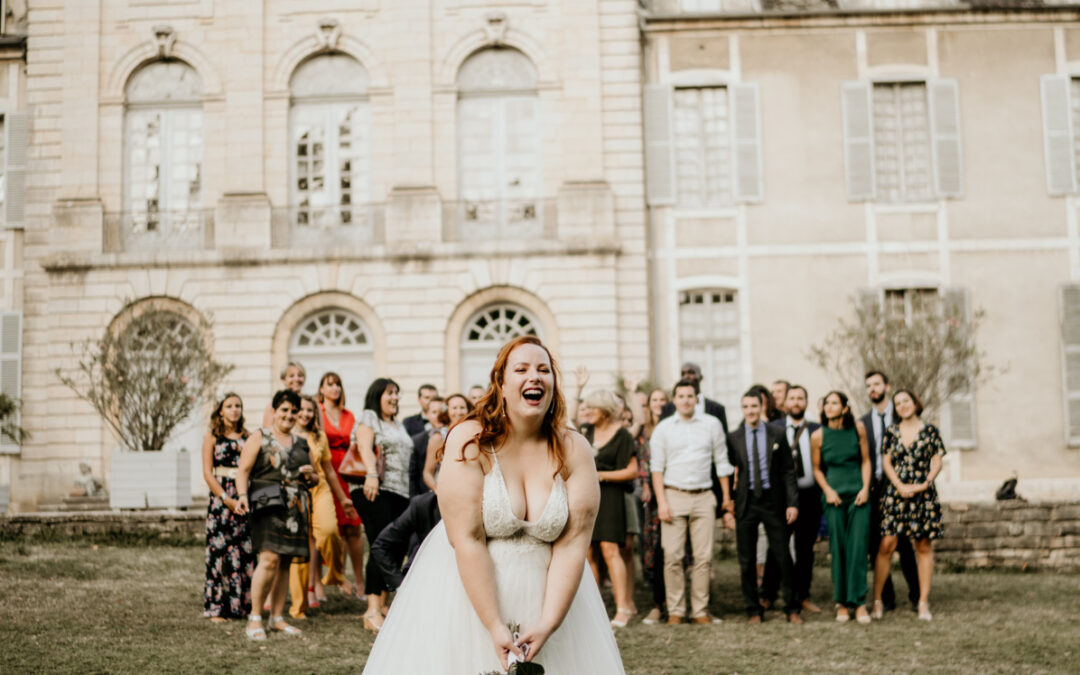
<point>1019,535</point>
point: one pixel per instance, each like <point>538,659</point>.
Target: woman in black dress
<point>616,467</point>
<point>273,479</point>
<point>911,453</point>
<point>229,559</point>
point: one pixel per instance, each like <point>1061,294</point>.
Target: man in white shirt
<point>684,448</point>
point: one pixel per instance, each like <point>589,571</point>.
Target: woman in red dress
<point>338,423</point>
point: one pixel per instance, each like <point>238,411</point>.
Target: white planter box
<point>138,480</point>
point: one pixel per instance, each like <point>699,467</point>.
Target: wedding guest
<point>652,553</point>
<point>685,447</point>
<point>397,544</point>
<point>458,408</point>
<point>769,411</point>
<point>293,376</point>
<point>912,456</point>
<point>337,423</point>
<point>384,495</point>
<point>414,424</point>
<point>842,471</point>
<point>798,430</point>
<point>765,494</point>
<point>616,466</point>
<point>779,391</point>
<point>437,419</point>
<point>880,417</point>
<point>275,471</point>
<point>476,392</point>
<point>325,542</point>
<point>229,559</point>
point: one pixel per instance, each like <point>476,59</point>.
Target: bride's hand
<point>532,640</point>
<point>504,644</point>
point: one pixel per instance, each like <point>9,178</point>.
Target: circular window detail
<point>499,324</point>
<point>334,340</point>
<point>331,329</point>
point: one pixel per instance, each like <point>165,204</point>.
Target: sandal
<point>373,621</point>
<point>924,612</point>
<point>255,634</point>
<point>277,623</point>
<point>879,610</point>
<point>861,615</point>
<point>842,614</point>
<point>313,601</point>
<point>616,622</point>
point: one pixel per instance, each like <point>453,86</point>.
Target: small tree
<point>9,420</point>
<point>146,377</point>
<point>931,350</point>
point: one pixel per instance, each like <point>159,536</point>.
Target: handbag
<point>353,470</point>
<point>267,498</point>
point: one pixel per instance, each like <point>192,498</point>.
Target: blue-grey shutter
<point>1058,145</point>
<point>858,140</point>
<point>746,115</point>
<point>944,100</point>
<point>10,368</point>
<point>16,133</point>
<point>659,145</point>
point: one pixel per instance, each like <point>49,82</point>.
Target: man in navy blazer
<point>797,431</point>
<point>765,493</point>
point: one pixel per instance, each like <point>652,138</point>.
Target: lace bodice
<point>500,521</point>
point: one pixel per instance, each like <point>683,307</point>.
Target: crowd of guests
<point>288,499</point>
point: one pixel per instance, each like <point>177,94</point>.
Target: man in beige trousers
<point>684,448</point>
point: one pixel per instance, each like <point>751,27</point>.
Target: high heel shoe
<point>312,599</point>
<point>621,623</point>
<point>879,610</point>
<point>373,621</point>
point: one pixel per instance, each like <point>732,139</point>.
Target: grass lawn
<point>79,608</point>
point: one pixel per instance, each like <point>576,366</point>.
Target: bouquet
<point>518,667</point>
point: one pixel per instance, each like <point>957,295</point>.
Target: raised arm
<point>460,496</point>
<point>567,564</point>
<point>634,403</point>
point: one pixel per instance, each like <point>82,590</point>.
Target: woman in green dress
<point>276,462</point>
<point>842,470</point>
<point>911,453</point>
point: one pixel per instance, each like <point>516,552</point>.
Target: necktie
<point>796,451</point>
<point>756,469</point>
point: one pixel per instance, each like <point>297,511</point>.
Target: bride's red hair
<point>490,410</point>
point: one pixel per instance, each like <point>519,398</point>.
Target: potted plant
<point>145,376</point>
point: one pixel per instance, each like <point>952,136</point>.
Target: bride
<point>518,494</point>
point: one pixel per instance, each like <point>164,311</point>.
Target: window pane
<point>902,156</point>
<point>703,147</point>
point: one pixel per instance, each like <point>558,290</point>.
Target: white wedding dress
<point>433,628</point>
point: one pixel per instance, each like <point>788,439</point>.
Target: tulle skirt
<point>432,627</point>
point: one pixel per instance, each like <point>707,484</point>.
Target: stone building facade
<point>385,188</point>
<point>393,188</point>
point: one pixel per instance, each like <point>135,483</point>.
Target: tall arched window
<point>163,156</point>
<point>330,148</point>
<point>338,340</point>
<point>485,334</point>
<point>709,337</point>
<point>499,145</point>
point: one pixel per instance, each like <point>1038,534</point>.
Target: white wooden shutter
<point>958,414</point>
<point>659,146</point>
<point>16,132</point>
<point>1070,360</point>
<point>858,140</point>
<point>944,98</point>
<point>10,368</point>
<point>1058,135</point>
<point>746,115</point>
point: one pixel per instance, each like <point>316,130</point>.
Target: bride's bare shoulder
<point>462,446</point>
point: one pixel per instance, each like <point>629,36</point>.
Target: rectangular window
<point>165,152</point>
<point>908,303</point>
<point>709,336</point>
<point>903,159</point>
<point>703,157</point>
<point>331,144</point>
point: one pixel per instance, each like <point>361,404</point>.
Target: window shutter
<point>746,115</point>
<point>959,411</point>
<point>10,368</point>
<point>945,135</point>
<point>1058,135</point>
<point>1070,360</point>
<point>659,146</point>
<point>858,140</point>
<point>16,130</point>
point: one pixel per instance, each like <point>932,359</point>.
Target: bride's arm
<point>461,491</point>
<point>568,552</point>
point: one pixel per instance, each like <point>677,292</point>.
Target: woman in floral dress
<point>229,559</point>
<point>911,453</point>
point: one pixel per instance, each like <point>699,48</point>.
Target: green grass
<point>81,608</point>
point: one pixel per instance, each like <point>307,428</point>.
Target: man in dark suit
<point>876,422</point>
<point>436,412</point>
<point>691,372</point>
<point>766,494</point>
<point>414,424</point>
<point>797,431</point>
<point>402,538</point>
